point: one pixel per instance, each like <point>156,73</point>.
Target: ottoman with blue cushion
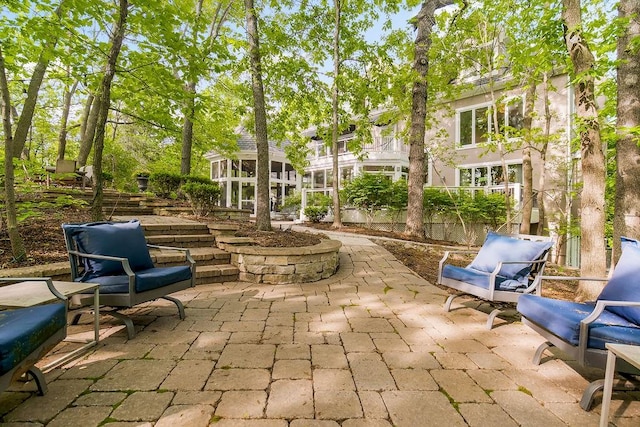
<point>26,335</point>
<point>581,329</point>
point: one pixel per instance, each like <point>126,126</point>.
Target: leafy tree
<point>369,192</point>
<point>627,183</point>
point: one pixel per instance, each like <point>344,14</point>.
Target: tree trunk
<point>542,217</point>
<point>62,136</point>
<point>89,129</point>
<point>84,119</point>
<point>527,168</point>
<point>626,220</point>
<point>17,245</point>
<point>592,209</point>
<point>102,103</point>
<point>337,220</point>
<point>263,215</point>
<point>28,109</point>
<point>187,129</point>
<point>424,22</point>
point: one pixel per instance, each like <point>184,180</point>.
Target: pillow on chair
<point>497,247</point>
<point>120,239</point>
<point>624,285</point>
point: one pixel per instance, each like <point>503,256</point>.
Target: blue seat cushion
<point>469,275</point>
<point>120,239</point>
<point>146,280</point>
<point>497,247</point>
<point>24,330</point>
<point>624,284</point>
<point>562,318</point>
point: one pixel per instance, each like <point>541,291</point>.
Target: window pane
<point>346,174</point>
<point>515,173</point>
<point>466,118</point>
<point>306,180</point>
<point>235,193</point>
<point>329,182</point>
<point>496,175</point>
<point>482,125</point>
<point>249,168</point>
<point>465,177</point>
<point>215,170</point>
<point>290,172</point>
<point>516,115</point>
<point>223,194</point>
<point>235,168</point>
<point>248,195</point>
<point>318,179</point>
<point>223,169</point>
<point>480,177</point>
<point>276,170</point>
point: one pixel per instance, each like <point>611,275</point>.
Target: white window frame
<point>472,108</point>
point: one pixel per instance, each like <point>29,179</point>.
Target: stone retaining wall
<point>286,265</point>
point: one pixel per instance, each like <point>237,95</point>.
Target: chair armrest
<point>592,317</point>
<point>125,262</point>
<point>446,256</point>
<point>600,279</point>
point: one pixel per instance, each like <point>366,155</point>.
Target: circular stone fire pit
<point>286,265</point>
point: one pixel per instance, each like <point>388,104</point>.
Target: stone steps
<point>183,240</point>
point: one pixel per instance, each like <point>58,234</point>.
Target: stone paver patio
<point>369,347</point>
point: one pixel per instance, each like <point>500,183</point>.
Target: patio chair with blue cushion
<point>28,334</point>
<point>116,256</point>
<point>581,329</point>
<point>505,267</point>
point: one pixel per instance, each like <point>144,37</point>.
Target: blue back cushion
<point>497,247</point>
<point>624,284</point>
<point>120,239</point>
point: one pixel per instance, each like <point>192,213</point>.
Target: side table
<point>33,291</point>
<point>629,353</point>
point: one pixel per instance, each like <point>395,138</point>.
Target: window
<point>214,170</point>
<point>249,168</point>
<point>223,169</point>
<point>473,126</point>
<point>346,174</point>
<point>276,170</point>
<point>290,172</point>
<point>482,176</point>
<point>318,179</point>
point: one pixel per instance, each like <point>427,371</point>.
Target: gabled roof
<point>247,142</point>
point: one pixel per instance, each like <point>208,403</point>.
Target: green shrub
<point>316,213</point>
<point>200,179</point>
<point>202,197</point>
<point>163,184</point>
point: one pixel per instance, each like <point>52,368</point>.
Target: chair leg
<point>131,329</point>
<point>538,354</point>
<point>492,317</point>
<point>447,304</point>
<point>178,303</point>
<point>587,396</point>
<point>38,377</point>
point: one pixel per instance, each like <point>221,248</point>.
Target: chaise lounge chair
<point>581,330</point>
<point>505,268</point>
<point>116,256</point>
